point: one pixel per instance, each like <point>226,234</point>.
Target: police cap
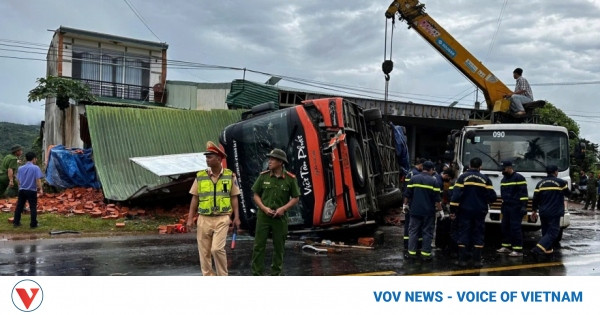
<point>428,165</point>
<point>507,163</point>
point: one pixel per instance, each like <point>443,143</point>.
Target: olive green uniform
<point>274,192</point>
<point>9,161</point>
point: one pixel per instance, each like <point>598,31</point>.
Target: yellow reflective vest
<point>214,198</point>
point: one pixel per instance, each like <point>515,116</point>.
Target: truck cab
<point>530,147</point>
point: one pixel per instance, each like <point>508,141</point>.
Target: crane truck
<point>529,146</point>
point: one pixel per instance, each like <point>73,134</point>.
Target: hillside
<point>11,134</point>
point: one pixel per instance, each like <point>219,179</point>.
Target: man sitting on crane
<point>521,95</point>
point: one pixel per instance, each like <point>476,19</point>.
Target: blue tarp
<point>401,149</point>
<point>71,167</point>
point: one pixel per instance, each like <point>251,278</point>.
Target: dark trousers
<point>471,228</point>
<point>31,197</point>
<point>407,233</point>
<point>590,200</point>
<point>550,231</point>
<point>420,225</point>
<point>279,228</point>
<point>512,234</point>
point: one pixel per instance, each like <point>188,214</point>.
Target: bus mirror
<point>572,135</point>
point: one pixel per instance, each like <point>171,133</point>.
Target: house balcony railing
<point>120,90</point>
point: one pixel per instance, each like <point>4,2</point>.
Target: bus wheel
<point>359,166</point>
<point>390,199</point>
<point>374,119</point>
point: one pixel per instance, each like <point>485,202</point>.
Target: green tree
<point>62,89</point>
<point>551,115</point>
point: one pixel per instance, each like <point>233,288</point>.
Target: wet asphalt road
<point>177,255</point>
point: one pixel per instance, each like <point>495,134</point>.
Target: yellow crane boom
<point>413,13</point>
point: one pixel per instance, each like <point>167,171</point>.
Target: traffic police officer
<point>472,194</point>
<point>8,172</point>
<point>549,198</point>
<point>275,192</point>
<point>214,197</point>
<point>423,193</point>
<point>513,190</point>
<point>414,171</point>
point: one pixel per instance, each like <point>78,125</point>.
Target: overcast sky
<point>557,43</point>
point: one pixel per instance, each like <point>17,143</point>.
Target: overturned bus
<point>344,158</point>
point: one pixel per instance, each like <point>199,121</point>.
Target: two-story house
<point>117,69</point>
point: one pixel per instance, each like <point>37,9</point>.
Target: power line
<point>492,42</point>
<point>141,18</point>
<point>355,90</point>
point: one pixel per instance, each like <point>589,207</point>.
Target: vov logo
<point>27,295</point>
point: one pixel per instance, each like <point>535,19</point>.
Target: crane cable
<point>388,65</point>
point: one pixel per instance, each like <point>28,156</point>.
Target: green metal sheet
<point>246,94</point>
<point>121,133</point>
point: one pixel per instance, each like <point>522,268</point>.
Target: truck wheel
<point>358,163</point>
<point>389,199</point>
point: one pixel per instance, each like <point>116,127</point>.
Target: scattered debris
<point>91,202</point>
<point>341,244</point>
<point>315,249</point>
<point>63,232</point>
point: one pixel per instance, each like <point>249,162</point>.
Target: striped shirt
<point>523,85</point>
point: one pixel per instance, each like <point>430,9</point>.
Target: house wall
<point>208,99</point>
<point>64,127</point>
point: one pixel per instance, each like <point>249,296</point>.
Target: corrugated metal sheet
<point>246,94</point>
<point>120,133</point>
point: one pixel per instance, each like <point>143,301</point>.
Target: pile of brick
<point>89,201</point>
<point>394,217</point>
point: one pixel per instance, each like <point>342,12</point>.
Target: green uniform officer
<point>8,172</point>
<point>275,192</point>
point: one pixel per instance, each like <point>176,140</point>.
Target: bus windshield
<point>529,150</point>
<point>253,139</point>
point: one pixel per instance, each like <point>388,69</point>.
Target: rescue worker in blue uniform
<point>423,194</point>
<point>472,194</point>
<point>549,199</point>
<point>405,209</point>
<point>513,190</point>
<point>446,233</point>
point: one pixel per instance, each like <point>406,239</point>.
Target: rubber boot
<point>477,257</point>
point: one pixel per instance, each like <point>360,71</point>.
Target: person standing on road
<point>30,179</point>
<point>423,194</point>
<point>472,194</point>
<point>513,189</point>
<point>583,182</point>
<point>549,198</point>
<point>275,192</point>
<point>590,198</point>
<point>214,197</point>
<point>405,209</point>
<point>8,172</point>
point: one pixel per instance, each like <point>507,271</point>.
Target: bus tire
<point>358,164</point>
<point>372,114</point>
<point>390,199</point>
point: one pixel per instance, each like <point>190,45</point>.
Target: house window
<point>111,73</point>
